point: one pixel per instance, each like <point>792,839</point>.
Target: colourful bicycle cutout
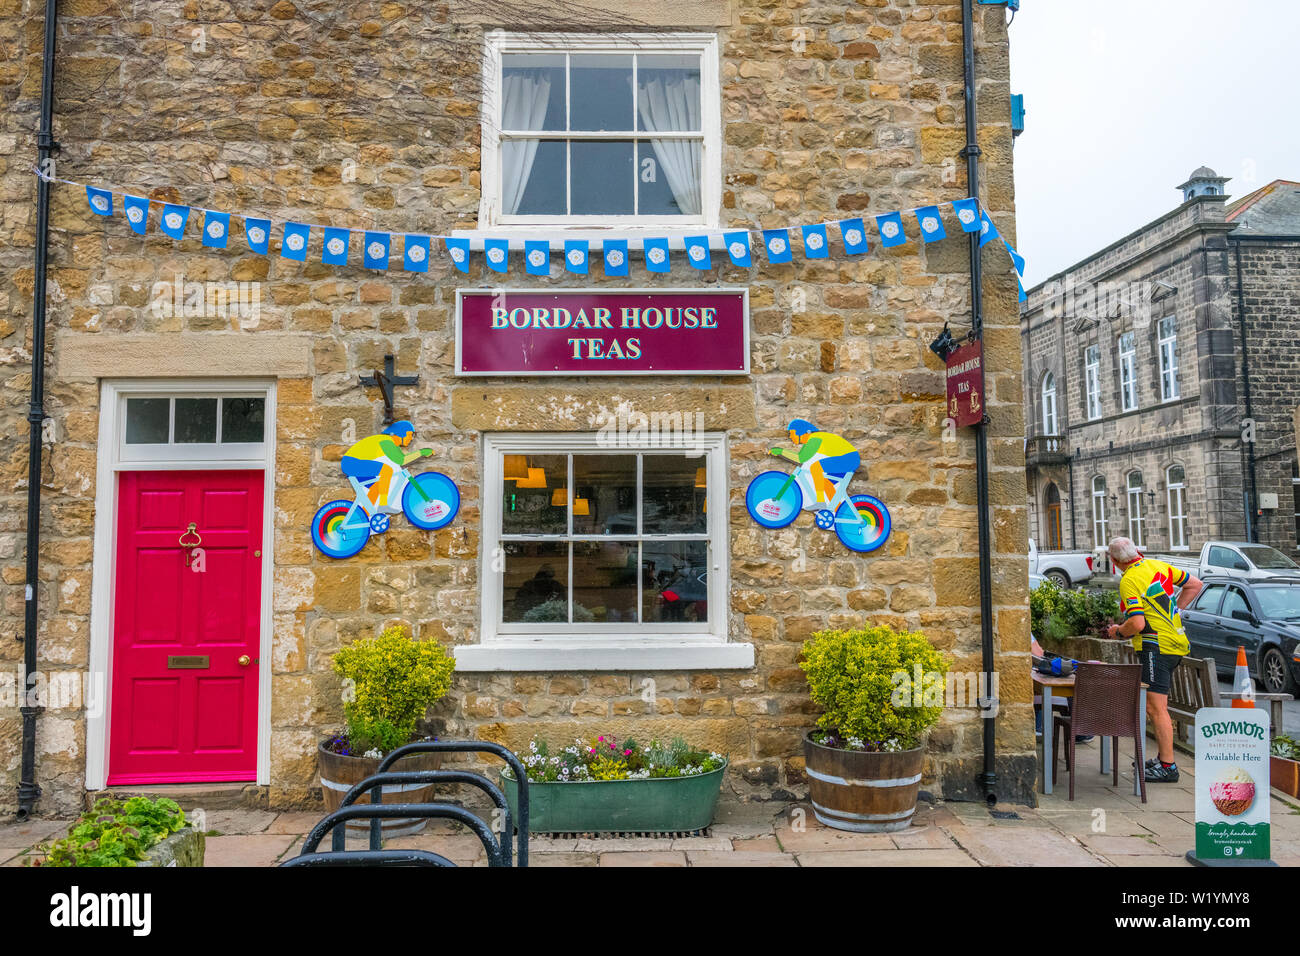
<point>775,498</point>
<point>383,486</point>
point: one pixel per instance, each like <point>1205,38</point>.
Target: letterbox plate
<point>187,662</point>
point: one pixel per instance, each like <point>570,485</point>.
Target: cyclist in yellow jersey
<point>833,459</point>
<point>377,457</point>
<point>1152,622</point>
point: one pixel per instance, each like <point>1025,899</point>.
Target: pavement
<point>1105,825</point>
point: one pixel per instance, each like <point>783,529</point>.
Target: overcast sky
<point>1124,98</point>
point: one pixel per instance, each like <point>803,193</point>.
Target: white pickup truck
<point>1239,559</point>
<point>1066,568</point>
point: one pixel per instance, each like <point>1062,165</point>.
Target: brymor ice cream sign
<point>1232,783</point>
<point>628,332</point>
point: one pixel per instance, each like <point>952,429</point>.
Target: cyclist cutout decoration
<point>376,468</point>
<point>820,484</point>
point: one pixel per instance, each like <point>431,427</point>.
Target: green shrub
<point>1056,613</point>
<point>855,676</point>
<point>392,679</point>
<point>116,832</point>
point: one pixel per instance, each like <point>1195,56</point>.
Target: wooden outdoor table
<point>1051,687</point>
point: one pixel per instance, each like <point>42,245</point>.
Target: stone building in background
<point>391,116</point>
<point>1162,379</point>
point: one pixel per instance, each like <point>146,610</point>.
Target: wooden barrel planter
<point>863,792</point>
<point>339,774</point>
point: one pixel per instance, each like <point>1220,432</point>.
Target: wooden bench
<point>1195,684</point>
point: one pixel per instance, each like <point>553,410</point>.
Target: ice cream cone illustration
<point>1233,792</point>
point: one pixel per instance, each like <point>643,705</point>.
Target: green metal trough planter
<point>645,805</point>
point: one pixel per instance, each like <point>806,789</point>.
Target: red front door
<point>186,627</point>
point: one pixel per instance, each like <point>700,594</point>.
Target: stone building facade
<point>1155,366</point>
<point>372,115</point>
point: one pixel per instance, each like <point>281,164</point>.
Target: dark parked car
<point>1263,616</point>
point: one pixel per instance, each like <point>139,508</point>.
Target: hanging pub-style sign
<point>624,332</point>
<point>965,377</point>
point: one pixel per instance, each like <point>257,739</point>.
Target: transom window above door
<point>601,130</point>
<point>184,426</point>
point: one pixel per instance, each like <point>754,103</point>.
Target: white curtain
<point>674,106</point>
<point>526,94</point>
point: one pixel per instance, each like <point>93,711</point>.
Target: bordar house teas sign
<point>965,377</point>
<point>1232,787</point>
<point>583,332</point>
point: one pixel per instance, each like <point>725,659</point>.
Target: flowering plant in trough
<point>607,758</point>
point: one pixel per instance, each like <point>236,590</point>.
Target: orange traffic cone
<point>1241,682</point>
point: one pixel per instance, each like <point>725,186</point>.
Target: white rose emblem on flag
<point>575,257</point>
<point>697,253</point>
<point>458,254</point>
<point>853,237</point>
<point>656,256</point>
<point>335,246</point>
<point>814,240</point>
<point>890,229</point>
<point>174,220</point>
<point>967,216</point>
<point>536,258</point>
<point>415,253</point>
<point>737,250</point>
<point>257,234</point>
<point>777,245</point>
<point>929,224</point>
<point>614,257</point>
<point>100,203</point>
<point>215,230</point>
<point>496,255</point>
<point>134,213</point>
<point>295,242</point>
<point>376,250</point>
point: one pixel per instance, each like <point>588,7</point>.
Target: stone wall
<point>281,98</point>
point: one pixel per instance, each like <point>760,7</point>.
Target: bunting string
<point>614,252</point>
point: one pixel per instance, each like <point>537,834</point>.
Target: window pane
<point>604,581</point>
<point>534,495</point>
<point>1176,475</point>
<point>532,91</point>
<point>196,421</point>
<point>535,581</point>
<point>603,178</point>
<point>668,177</point>
<point>672,495</point>
<point>242,419</point>
<point>146,420</point>
<point>601,98</point>
<point>674,578</point>
<point>668,93</point>
<point>533,177</point>
<point>1209,599</point>
<point>605,494</point>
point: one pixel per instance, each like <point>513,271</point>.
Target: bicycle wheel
<point>763,503</point>
<point>437,506</point>
<point>869,533</point>
<point>331,537</point>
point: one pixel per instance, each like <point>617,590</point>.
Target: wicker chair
<point>1107,701</point>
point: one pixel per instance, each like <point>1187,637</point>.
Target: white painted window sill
<point>663,654</point>
<point>556,235</point>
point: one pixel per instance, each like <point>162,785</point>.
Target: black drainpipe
<point>28,789</point>
<point>1252,532</point>
<point>988,779</point>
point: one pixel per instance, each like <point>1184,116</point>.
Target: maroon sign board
<point>965,393</point>
<point>582,332</point>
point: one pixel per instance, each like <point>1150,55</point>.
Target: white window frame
<point>112,429</point>
<point>1092,380</point>
<point>1136,513</point>
<point>1048,392</point>
<point>1099,533</point>
<point>587,646</point>
<point>1168,348</point>
<point>491,220</point>
<point>1128,391</point>
<point>1177,494</point>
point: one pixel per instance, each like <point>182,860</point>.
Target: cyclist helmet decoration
<point>826,466</point>
<point>375,466</point>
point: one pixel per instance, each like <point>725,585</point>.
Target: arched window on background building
<point>1175,480</point>
<point>1099,539</point>
<point>1049,404</point>
<point>1136,516</point>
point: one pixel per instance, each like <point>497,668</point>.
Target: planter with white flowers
<point>610,786</point>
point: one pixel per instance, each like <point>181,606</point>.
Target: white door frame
<point>111,401</point>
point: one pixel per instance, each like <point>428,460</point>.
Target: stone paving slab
<point>644,858</point>
<point>261,849</point>
<point>738,858</point>
<point>993,846</point>
<point>894,857</point>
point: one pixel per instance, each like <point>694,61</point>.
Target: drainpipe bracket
<point>988,706</point>
<point>48,142</point>
<point>969,150</point>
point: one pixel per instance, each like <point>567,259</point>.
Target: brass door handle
<point>244,660</point>
<point>189,546</point>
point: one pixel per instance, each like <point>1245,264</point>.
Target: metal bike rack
<point>498,851</point>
